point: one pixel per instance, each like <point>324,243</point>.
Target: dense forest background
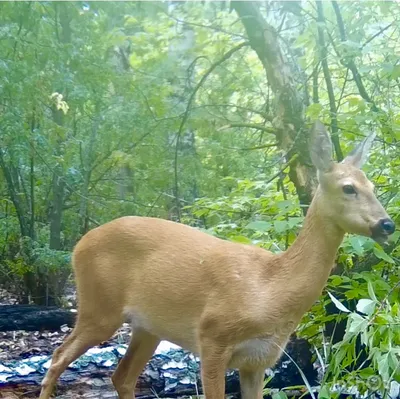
<point>199,112</point>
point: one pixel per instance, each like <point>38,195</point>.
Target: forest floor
<point>18,345</point>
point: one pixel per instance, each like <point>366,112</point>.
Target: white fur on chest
<point>257,352</point>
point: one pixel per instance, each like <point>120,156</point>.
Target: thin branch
<point>250,126</point>
<point>328,81</point>
<point>376,34</point>
<point>259,147</point>
<point>282,169</point>
<point>343,87</point>
<point>99,161</point>
<point>153,204</point>
<point>225,57</point>
<point>350,62</point>
<point>111,198</point>
<point>211,27</point>
<point>239,107</point>
<point>95,222</point>
<point>315,74</point>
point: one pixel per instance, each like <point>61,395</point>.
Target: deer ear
<point>321,147</point>
<point>359,155</point>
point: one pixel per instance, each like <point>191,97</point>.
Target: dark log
<point>34,318</point>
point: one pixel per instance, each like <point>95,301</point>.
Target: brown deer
<point>235,305</point>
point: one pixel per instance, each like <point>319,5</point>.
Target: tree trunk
<point>32,176</point>
<point>58,184</point>
<point>87,166</point>
<point>56,209</point>
<point>58,117</point>
<point>19,207</point>
<point>292,133</point>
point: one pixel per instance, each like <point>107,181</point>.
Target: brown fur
<point>236,305</point>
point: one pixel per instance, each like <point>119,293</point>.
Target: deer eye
<point>349,189</point>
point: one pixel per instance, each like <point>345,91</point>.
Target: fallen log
<point>34,318</point>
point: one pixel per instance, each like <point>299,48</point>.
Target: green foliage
<point>374,321</point>
<point>251,213</point>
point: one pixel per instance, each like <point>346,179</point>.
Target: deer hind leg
<point>140,350</point>
<point>82,337</point>
<point>252,383</point>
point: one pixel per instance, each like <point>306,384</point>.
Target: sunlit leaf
<point>366,306</point>
<point>338,304</point>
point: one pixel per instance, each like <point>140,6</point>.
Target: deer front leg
<point>252,383</point>
<point>214,358</point>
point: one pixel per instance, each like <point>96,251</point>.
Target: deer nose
<point>387,225</point>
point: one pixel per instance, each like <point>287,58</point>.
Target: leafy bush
<point>366,356</point>
<point>34,271</point>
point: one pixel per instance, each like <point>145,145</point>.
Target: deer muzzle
<point>382,230</point>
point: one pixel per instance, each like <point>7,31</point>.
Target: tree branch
<point>315,94</point>
<point>250,126</point>
<point>328,81</point>
<point>258,147</point>
<point>349,62</point>
<point>375,35</point>
<point>14,197</point>
<point>343,87</point>
<point>225,57</point>
<point>239,107</point>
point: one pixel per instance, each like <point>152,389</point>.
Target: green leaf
<point>314,110</point>
<point>393,360</point>
<point>384,6</point>
<point>383,366</point>
<point>241,239</point>
<point>335,281</point>
<point>357,323</point>
<point>381,254</point>
<point>395,72</point>
<point>294,221</point>
<point>280,226</point>
<point>284,204</point>
<point>259,225</point>
<point>279,395</point>
<point>338,304</point>
<point>324,393</point>
<point>366,306</point>
<point>354,101</point>
<point>356,244</point>
<point>371,291</point>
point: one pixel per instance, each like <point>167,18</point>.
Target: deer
<point>235,305</point>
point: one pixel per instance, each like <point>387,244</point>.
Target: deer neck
<point>311,257</point>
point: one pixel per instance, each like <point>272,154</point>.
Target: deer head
<point>346,195</point>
